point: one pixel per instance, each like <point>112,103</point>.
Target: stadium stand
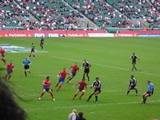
<point>79,14</point>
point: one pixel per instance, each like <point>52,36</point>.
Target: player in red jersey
<point>9,70</point>
<point>2,55</point>
<point>73,70</point>
<point>47,88</point>
<point>62,75</point>
<point>82,85</point>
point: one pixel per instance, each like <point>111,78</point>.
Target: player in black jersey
<point>132,85</point>
<point>42,42</point>
<point>32,50</point>
<point>134,61</point>
<point>97,89</point>
<point>86,66</point>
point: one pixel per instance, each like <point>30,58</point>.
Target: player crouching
<point>97,89</point>
<point>47,88</point>
<point>82,85</point>
<point>150,91</point>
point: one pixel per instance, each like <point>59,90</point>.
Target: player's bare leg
<point>69,79</point>
<point>7,77</point>
<point>57,85</point>
<point>60,86</point>
<point>25,73</point>
<point>145,98</point>
<point>96,96</point>
<point>41,95</point>
<point>136,90</point>
<point>75,95</point>
<point>3,60</point>
<point>129,89</point>
<point>34,55</point>
<point>84,75</point>
<point>51,94</point>
<point>82,94</point>
<point>90,96</point>
<point>134,67</point>
<point>87,74</point>
<point>41,45</point>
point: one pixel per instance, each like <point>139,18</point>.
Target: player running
<point>73,70</point>
<point>26,62</point>
<point>86,66</point>
<point>9,70</point>
<point>134,61</point>
<point>47,88</point>
<point>97,89</point>
<point>132,85</point>
<point>32,50</point>
<point>82,85</point>
<point>62,75</point>
<point>150,91</point>
<point>2,55</point>
<point>42,42</point>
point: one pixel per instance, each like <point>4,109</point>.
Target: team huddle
<point>66,76</point>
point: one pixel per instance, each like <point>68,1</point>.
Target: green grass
<point>110,59</point>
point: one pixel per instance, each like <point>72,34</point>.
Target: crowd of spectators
<point>52,14</point>
<point>66,14</point>
<point>142,10</point>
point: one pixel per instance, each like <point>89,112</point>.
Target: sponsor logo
<point>14,48</point>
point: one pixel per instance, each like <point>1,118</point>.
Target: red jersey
<point>63,74</point>
<point>10,67</point>
<point>74,68</point>
<point>82,85</point>
<point>46,84</point>
<point>2,51</point>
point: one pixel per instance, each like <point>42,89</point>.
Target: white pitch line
<point>96,105</point>
<point>27,52</point>
<point>105,66</point>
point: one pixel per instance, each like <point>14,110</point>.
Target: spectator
<point>72,115</point>
<point>9,109</point>
<point>80,116</point>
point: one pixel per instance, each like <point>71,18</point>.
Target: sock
<point>96,98</point>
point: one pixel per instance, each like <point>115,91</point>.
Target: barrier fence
<point>78,33</point>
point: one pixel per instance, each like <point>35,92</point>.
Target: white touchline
<point>94,105</point>
<point>102,65</point>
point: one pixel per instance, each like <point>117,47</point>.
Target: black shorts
<point>73,73</point>
<point>150,93</point>
<point>80,89</point>
<point>47,89</point>
<point>132,87</point>
<point>26,67</point>
<point>86,70</point>
<point>133,62</point>
<point>32,50</point>
<point>97,90</point>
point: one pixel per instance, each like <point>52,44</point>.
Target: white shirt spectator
<point>72,115</point>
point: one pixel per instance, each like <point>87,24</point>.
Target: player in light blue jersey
<point>26,62</point>
<point>150,91</point>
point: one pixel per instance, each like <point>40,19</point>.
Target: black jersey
<point>134,59</point>
<point>42,41</point>
<point>133,82</point>
<point>86,65</point>
<point>97,85</point>
<point>33,48</point>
